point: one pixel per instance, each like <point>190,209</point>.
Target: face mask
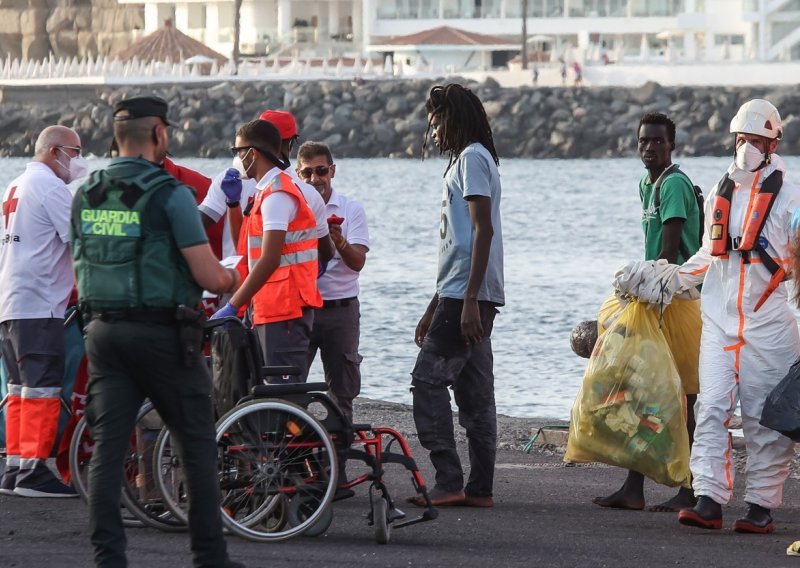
<point>748,157</point>
<point>238,164</point>
<point>77,167</point>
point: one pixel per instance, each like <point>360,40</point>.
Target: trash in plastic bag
<point>681,325</point>
<point>630,411</point>
<point>782,407</point>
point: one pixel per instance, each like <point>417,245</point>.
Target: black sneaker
<point>51,488</point>
<point>9,481</point>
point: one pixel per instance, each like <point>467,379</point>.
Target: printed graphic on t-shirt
<point>9,206</point>
<point>444,225</point>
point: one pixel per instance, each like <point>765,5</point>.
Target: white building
<point>671,30</point>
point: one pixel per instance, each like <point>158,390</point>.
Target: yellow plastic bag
<point>681,325</point>
<point>630,411</point>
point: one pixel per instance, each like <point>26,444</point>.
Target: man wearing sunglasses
<point>281,252</point>
<point>232,192</point>
<point>36,279</point>
<point>336,325</point>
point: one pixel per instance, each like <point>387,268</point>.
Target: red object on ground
<point>333,219</point>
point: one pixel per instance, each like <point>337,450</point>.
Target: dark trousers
<point>336,333</point>
<point>285,343</point>
<point>128,362</point>
<point>446,361</point>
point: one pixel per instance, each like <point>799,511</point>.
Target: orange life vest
<point>749,243</point>
<point>293,285</point>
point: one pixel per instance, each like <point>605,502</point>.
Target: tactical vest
<point>121,262</point>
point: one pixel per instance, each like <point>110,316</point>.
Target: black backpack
<point>698,195</point>
<point>235,358</point>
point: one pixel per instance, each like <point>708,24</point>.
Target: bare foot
<point>685,499</point>
<point>620,500</point>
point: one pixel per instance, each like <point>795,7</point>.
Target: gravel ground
<point>512,432</point>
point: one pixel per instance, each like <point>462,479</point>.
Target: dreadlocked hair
<point>463,120</point>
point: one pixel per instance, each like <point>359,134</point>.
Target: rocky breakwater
<point>387,118</point>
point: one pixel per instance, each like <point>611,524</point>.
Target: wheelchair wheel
<point>171,483</point>
<point>274,458</point>
<point>302,507</point>
<point>380,518</point>
<point>169,477</point>
<point>140,494</point>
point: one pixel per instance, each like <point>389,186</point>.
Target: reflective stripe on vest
<point>293,285</point>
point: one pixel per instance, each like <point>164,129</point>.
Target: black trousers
<point>446,361</point>
<point>128,362</point>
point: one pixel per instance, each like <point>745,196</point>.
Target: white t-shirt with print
<point>36,276</point>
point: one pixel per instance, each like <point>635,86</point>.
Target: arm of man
<point>353,246</point>
<point>425,320</point>
<point>212,208</point>
<point>235,219</point>
<point>207,271</point>
<point>671,231</point>
<point>480,212</point>
<point>262,270</point>
<point>277,210</point>
<point>325,248</point>
<point>676,204</point>
<point>191,239</point>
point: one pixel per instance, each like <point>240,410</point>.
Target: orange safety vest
<point>293,285</point>
<point>749,243</point>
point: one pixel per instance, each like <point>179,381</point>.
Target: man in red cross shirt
<point>36,279</point>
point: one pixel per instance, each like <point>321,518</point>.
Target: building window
<point>733,39</point>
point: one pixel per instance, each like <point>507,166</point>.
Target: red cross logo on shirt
<point>10,205</point>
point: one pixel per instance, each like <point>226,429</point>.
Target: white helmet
<point>758,117</point>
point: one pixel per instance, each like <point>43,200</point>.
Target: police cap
<point>141,107</point>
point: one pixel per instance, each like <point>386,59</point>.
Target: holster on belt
<point>191,326</point>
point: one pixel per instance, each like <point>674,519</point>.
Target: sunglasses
<point>319,170</point>
<point>235,150</point>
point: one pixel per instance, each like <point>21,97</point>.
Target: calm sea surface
<point>567,226</point>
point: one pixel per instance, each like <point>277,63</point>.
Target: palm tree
<point>524,53</point>
<point>237,30</point>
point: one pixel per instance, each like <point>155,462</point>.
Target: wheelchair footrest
<point>271,391</point>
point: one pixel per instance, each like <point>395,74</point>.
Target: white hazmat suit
<point>743,353</point>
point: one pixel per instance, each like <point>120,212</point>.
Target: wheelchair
<point>279,452</point>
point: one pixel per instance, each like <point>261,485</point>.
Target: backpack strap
<point>674,169</point>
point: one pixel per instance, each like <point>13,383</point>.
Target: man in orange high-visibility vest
<point>281,284</point>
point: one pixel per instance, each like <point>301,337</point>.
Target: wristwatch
<point>232,204</point>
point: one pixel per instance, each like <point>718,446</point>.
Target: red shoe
<point>707,514</point>
<point>756,521</point>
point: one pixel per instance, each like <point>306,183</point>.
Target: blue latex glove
<point>322,267</point>
<point>231,185</point>
<point>226,311</point>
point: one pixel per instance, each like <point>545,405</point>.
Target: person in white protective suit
<point>750,337</point>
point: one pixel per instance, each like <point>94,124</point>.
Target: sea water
<point>567,226</point>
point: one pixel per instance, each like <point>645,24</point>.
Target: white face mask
<point>238,164</point>
<point>748,157</point>
<point>77,167</point>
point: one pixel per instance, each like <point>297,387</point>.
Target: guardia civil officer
<point>141,261</point>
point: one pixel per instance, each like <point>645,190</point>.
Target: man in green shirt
<point>672,229</point>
